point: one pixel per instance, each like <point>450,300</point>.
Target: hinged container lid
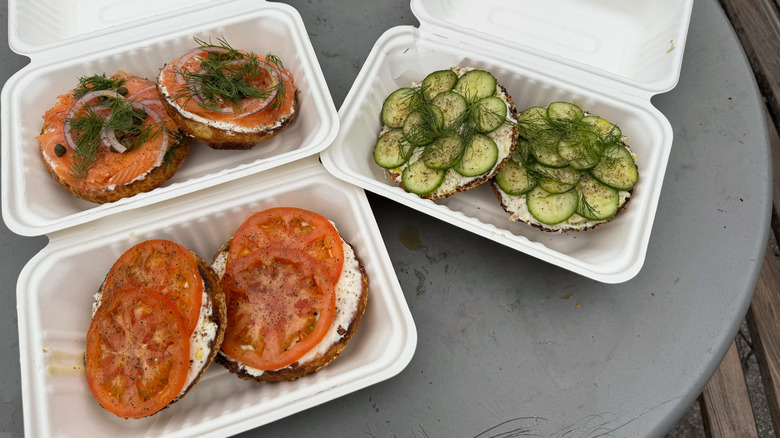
<point>637,43</point>
<point>37,26</point>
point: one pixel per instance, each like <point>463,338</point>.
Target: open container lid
<point>639,44</point>
<point>69,39</point>
<point>42,25</point>
<point>548,64</point>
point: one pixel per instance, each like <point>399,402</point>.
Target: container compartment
<point>611,253</point>
<point>34,204</point>
<point>54,307</point>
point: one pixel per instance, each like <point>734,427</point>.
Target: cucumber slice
<point>475,85</point>
<point>421,179</point>
<point>479,156</point>
<point>564,110</point>
<point>514,179</point>
<point>453,106</point>
<point>438,82</point>
<point>398,105</point>
<point>544,148</point>
<point>597,202</point>
<point>556,180</point>
<point>488,114</point>
<point>603,127</point>
<point>617,169</point>
<point>531,117</point>
<point>551,208</point>
<point>521,152</point>
<point>581,150</point>
<point>423,125</point>
<point>391,149</point>
<point>443,152</point>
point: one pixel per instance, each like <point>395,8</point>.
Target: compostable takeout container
<point>608,56</point>
<point>201,207</point>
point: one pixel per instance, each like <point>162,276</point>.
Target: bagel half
<point>207,336</point>
<point>238,124</point>
<point>351,299</point>
<point>113,175</point>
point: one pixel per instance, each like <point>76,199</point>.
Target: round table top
<point>507,342</point>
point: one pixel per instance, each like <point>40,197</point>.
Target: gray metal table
<point>507,342</point>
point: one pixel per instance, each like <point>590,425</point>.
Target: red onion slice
<point>264,102</point>
<point>78,105</point>
<point>110,140</point>
<point>185,58</point>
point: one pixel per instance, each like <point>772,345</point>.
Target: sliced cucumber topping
<point>423,125</point>
<point>545,149</point>
<point>531,117</point>
<point>514,179</point>
<point>444,152</point>
<point>488,114</point>
<point>581,149</point>
<point>564,110</point>
<point>479,156</point>
<point>475,85</point>
<point>551,208</point>
<point>392,150</point>
<point>521,153</point>
<point>597,201</point>
<point>556,180</point>
<point>617,169</point>
<point>421,179</point>
<point>453,105</point>
<point>603,127</point>
<point>438,82</point>
<point>398,105</point>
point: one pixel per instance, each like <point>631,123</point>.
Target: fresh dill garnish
<point>91,126</point>
<point>126,122</point>
<point>226,76</point>
<point>176,140</point>
<point>427,124</point>
<point>96,82</point>
<point>584,205</point>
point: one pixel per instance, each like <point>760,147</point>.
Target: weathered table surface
<point>507,341</point>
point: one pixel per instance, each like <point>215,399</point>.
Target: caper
<point>122,90</point>
<point>59,150</point>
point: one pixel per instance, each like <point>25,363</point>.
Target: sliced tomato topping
<point>280,304</point>
<point>166,267</point>
<point>291,227</point>
<point>137,354</point>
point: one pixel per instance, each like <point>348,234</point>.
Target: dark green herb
<point>96,82</point>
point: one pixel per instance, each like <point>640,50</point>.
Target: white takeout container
<point>201,207</point>
<point>608,56</point>
<point>54,307</point>
<point>67,40</point>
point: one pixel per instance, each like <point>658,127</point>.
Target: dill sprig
<point>585,206</point>
<point>91,126</point>
<point>176,140</point>
<point>127,123</point>
<point>429,127</point>
<point>96,82</point>
<point>226,76</point>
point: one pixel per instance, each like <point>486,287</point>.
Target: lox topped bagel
<point>295,291</point>
<point>158,321</point>
<point>451,133</point>
<point>109,138</point>
<point>228,98</point>
<point>571,171</point>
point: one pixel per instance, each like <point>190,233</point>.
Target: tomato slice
<point>280,304</point>
<point>137,354</point>
<point>296,228</point>
<point>166,267</point>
